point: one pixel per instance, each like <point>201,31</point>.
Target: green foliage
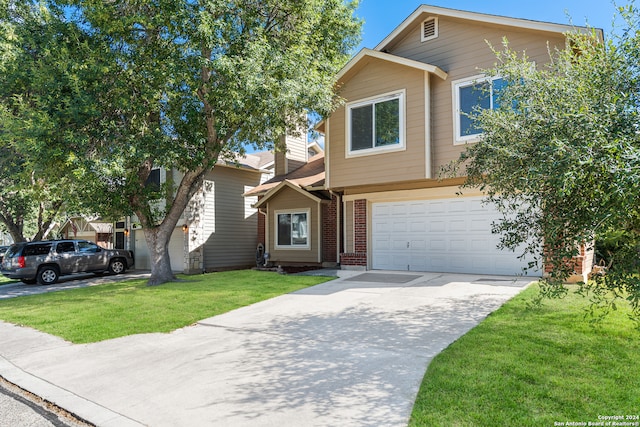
<point>191,82</point>
<point>46,108</point>
<point>560,157</point>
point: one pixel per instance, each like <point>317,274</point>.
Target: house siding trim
<point>275,190</point>
<point>368,53</point>
<point>423,194</point>
<point>482,18</point>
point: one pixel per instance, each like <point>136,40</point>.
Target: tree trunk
<point>158,236</point>
<point>158,243</point>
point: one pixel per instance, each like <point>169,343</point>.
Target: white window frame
<point>401,146</point>
<point>435,34</point>
<point>277,244</point>
<point>459,139</point>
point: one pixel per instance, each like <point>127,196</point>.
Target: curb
<point>78,406</point>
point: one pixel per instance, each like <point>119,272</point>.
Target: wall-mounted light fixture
<point>126,232</point>
<point>185,228</point>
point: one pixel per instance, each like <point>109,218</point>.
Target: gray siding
<point>229,223</point>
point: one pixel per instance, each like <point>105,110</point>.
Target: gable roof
<point>365,55</point>
<point>308,176</point>
<point>424,11</point>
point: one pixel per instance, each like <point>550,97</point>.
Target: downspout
<point>427,125</point>
<point>319,232</point>
<point>266,217</point>
<point>338,233</point>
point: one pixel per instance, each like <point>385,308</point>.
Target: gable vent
<point>429,29</point>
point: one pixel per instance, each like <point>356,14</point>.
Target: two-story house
<point>217,230</point>
<point>405,116</point>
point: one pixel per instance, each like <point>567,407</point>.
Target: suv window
<point>65,247</point>
<point>37,249</point>
<point>88,247</point>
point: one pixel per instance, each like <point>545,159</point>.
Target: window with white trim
<point>469,96</point>
<point>292,229</point>
<point>376,124</point>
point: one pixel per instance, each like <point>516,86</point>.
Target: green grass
<point>534,367</point>
<point>6,280</point>
<point>113,310</point>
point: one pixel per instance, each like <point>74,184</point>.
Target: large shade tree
<point>560,157</point>
<point>46,105</point>
<point>194,81</point>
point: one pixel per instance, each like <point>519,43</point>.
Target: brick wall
<point>329,230</point>
<point>581,264</point>
<point>359,256</point>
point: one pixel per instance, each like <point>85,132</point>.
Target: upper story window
<point>153,181</point>
<point>469,96</point>
<point>429,29</point>
<point>376,125</point>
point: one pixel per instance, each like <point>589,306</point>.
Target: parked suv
<point>44,262</point>
<point>3,249</point>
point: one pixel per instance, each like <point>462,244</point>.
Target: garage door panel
<point>399,226</point>
<point>437,225</point>
<point>458,245</point>
<point>418,226</point>
<point>381,244</point>
<point>456,225</point>
<point>435,207</point>
<point>478,245</point>
<point>448,235</point>
<point>418,244</point>
<point>436,244</point>
<point>481,224</point>
<point>417,209</point>
<point>458,206</point>
<point>399,244</point>
<point>437,262</point>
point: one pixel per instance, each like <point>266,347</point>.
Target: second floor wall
<point>364,149</point>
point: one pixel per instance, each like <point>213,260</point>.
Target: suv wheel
<point>117,266</point>
<point>48,275</point>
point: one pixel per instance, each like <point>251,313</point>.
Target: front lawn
<point>6,280</point>
<point>542,366</point>
<point>113,310</point>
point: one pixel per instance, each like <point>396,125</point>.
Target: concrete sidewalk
<point>350,352</point>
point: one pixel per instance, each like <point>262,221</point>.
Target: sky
<point>381,17</point>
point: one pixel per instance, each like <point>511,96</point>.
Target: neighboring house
<point>217,230</point>
<point>404,117</point>
<point>93,229</point>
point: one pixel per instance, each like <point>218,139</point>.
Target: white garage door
<point>444,235</point>
<point>176,250</point>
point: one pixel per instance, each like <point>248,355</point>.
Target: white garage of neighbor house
<point>218,229</point>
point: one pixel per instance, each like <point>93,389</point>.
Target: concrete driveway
<point>350,352</point>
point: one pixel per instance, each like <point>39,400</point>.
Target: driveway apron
<point>349,352</point>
